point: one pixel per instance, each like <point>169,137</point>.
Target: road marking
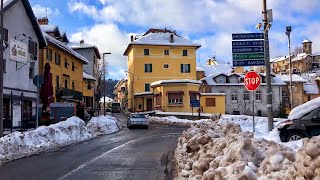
<point>111,150</point>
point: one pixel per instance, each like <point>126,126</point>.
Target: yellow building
<point>159,54</point>
<point>88,89</point>
<point>120,92</point>
<point>66,65</point>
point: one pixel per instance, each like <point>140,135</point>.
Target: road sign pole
<point>267,61</point>
<point>253,124</point>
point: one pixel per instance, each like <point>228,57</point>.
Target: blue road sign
<point>258,62</point>
<point>243,36</point>
<point>247,49</point>
<point>257,43</point>
<point>195,103</point>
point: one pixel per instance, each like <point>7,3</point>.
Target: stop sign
<point>252,81</point>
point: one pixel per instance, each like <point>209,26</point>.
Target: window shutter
<point>150,67</point>
<point>181,68</point>
<point>145,68</point>
<point>4,65</point>
<point>47,53</point>
<point>188,68</point>
<point>36,48</point>
<point>30,46</point>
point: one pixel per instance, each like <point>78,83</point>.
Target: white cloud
<point>82,7</point>
<point>41,11</point>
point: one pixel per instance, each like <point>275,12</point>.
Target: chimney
<point>131,38</point>
<point>43,21</point>
<point>81,42</point>
<point>171,40</point>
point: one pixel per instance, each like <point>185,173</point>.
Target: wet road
<point>128,154</point>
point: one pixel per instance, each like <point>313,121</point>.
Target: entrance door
<point>149,104</point>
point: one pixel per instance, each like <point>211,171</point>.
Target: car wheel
<point>295,136</point>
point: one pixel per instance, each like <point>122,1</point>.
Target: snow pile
<point>303,109</point>
<point>18,145</point>
<point>172,120</point>
<point>222,151</point>
<point>103,125</point>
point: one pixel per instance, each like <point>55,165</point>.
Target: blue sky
<point>109,23</point>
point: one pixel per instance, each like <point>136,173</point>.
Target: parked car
<point>137,120</point>
<point>306,126</point>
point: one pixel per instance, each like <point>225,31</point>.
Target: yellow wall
<point>238,70</point>
<point>220,106</point>
<point>137,61</point>
<point>86,91</point>
<point>58,70</point>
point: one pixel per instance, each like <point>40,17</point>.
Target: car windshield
<point>115,104</point>
<point>310,115</point>
<point>137,116</point>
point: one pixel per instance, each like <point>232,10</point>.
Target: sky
<point>109,24</point>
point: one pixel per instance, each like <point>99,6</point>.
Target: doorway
<point>149,104</point>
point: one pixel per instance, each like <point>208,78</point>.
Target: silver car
<point>136,119</point>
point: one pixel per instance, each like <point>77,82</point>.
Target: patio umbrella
<point>46,92</point>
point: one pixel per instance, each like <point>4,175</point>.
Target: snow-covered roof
<point>199,68</point>
<point>306,41</point>
<point>65,47</point>
<point>143,93</point>
<point>162,39</point>
<point>212,94</point>
<point>279,59</point>
<point>107,99</point>
<point>295,78</point>
<point>311,88</point>
<point>76,45</point>
<point>175,81</point>
<point>48,28</point>
<point>120,81</point>
<point>305,108</point>
<point>300,56</point>
<point>88,76</point>
<point>215,69</point>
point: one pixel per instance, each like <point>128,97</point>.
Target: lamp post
<point>132,100</point>
<point>104,83</point>
<point>288,31</point>
<point>1,71</point>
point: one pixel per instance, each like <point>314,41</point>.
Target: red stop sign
<point>252,81</point>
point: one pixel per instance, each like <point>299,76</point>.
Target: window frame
<point>175,101</point>
<point>234,97</point>
<point>32,47</point>
<point>146,52</point>
<point>210,104</point>
<point>185,52</point>
<point>146,87</point>
<point>185,68</point>
<point>148,68</point>
<point>166,52</point>
<point>246,96</point>
<point>57,81</point>
<point>258,94</point>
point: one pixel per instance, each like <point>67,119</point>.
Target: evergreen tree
<point>282,111</point>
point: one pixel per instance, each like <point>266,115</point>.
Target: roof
<point>281,58</point>
<point>199,68</point>
<point>7,4</point>
<point>300,56</point>
<point>295,78</point>
<point>212,94</point>
<point>49,28</point>
<point>306,41</point>
<point>216,69</point>
<point>120,82</point>
<point>311,88</point>
<point>88,76</point>
<point>175,81</point>
<point>64,47</point>
<point>75,45</point>
<point>143,93</point>
<point>161,39</point>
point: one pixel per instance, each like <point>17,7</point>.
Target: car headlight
<point>284,123</point>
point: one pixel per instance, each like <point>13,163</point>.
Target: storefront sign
<point>18,51</point>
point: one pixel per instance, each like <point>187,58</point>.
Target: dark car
<point>306,126</point>
<point>115,107</point>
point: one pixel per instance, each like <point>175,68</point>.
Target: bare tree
<point>243,105</point>
<point>297,50</point>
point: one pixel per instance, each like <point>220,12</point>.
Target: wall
<point>220,105</point>
<point>86,91</point>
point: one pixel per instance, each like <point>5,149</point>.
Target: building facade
<point>22,40</point>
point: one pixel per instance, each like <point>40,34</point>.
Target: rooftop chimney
<point>81,42</point>
<point>131,38</point>
<point>171,40</point>
<point>43,21</point>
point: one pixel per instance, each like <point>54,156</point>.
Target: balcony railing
<point>64,93</point>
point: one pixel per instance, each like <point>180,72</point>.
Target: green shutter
<point>145,67</point>
<point>150,67</point>
<point>189,68</point>
<point>181,68</point>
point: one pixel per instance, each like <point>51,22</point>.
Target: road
<point>128,154</point>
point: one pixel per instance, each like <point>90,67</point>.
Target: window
<point>210,102</point>
<point>57,58</point>
<point>166,66</point>
<point>73,67</point>
<point>73,84</point>
<point>234,97</point>
<point>5,35</point>
<point>33,47</point>
<point>89,84</point>
<point>66,64</point>
<point>57,81</point>
<point>146,52</point>
<point>147,67</point>
<point>258,96</point>
<point>175,98</point>
<point>185,68</point>
<point>184,52</point>
<point>31,72</point>
<point>4,65</point>
<point>147,87</point>
<point>66,83</point>
<point>49,54</point>
<point>166,52</point>
<point>246,96</point>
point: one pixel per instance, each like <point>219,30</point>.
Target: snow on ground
<point>220,150</point>
<point>176,121</point>
<point>17,145</point>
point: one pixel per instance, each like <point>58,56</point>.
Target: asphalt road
<point>128,154</point>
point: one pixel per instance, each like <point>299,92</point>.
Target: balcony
<point>64,93</point>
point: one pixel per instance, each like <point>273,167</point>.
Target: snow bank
<point>17,145</point>
<point>221,150</point>
<point>303,109</point>
<point>103,125</point>
<point>176,121</point>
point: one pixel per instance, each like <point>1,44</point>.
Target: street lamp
<point>132,100</point>
<point>288,31</point>
<point>104,83</point>
<point>1,70</point>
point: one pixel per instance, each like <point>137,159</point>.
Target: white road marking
<point>111,150</point>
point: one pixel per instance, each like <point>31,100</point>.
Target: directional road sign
<point>247,49</point>
<point>247,56</point>
<point>194,103</point>
<point>255,62</point>
<point>256,43</point>
<point>242,36</point>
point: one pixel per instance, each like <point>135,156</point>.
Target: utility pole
<point>288,31</point>
<point>267,60</point>
<point>104,83</point>
<point>1,71</point>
